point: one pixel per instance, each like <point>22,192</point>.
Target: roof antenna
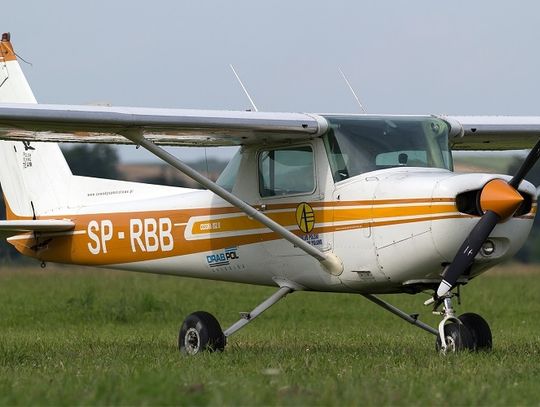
<point>352,90</point>
<point>244,88</point>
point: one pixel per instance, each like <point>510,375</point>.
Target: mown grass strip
<point>98,337</point>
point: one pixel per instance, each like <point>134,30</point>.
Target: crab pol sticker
<point>222,258</point>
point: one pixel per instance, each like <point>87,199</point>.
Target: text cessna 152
<point>364,204</point>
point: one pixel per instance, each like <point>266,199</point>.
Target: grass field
<point>88,336</point>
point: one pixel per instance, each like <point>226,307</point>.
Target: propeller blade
<point>468,250</point>
<point>529,162</point>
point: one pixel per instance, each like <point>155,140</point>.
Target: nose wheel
<point>469,331</point>
<point>457,337</point>
<point>479,329</point>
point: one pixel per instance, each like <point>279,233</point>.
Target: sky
<point>411,57</point>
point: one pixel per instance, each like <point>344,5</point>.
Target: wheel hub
<point>192,341</point>
<point>450,345</point>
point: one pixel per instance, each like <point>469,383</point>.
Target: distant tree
<point>97,160</point>
<point>166,180</point>
<point>210,168</point>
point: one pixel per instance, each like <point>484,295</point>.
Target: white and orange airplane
<point>365,204</point>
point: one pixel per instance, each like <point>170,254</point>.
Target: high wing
<point>99,124</point>
<point>185,127</point>
<point>494,132</point>
<point>14,227</point>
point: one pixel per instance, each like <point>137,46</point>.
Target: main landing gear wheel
<point>201,332</point>
<point>457,337</point>
<point>479,329</point>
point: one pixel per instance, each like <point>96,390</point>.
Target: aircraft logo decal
<point>305,217</point>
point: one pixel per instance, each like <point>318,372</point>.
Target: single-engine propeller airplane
<point>348,203</point>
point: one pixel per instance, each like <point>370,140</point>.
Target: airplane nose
<point>476,194</point>
<point>498,196</point>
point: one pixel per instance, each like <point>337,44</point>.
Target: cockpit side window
<point>286,171</point>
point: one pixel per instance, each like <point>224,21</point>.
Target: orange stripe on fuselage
<point>329,217</point>
<point>390,212</point>
<point>370,202</point>
<point>243,223</point>
<point>374,209</point>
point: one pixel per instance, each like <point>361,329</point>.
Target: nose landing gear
<point>480,331</point>
<point>456,337</point>
<point>469,331</point>
<point>453,335</point>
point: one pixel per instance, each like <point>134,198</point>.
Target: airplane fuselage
<point>393,229</point>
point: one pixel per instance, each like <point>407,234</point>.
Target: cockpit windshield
<point>356,145</point>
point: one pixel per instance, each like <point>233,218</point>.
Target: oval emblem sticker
<point>305,217</point>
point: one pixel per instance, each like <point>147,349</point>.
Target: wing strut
<point>331,263</point>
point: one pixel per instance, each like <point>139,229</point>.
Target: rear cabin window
<point>286,171</point>
<point>227,179</point>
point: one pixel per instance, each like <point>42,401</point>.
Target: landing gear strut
<point>453,335</point>
<point>201,331</point>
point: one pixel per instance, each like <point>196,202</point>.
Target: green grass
<point>101,337</point>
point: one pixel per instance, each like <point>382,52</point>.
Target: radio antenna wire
<point>362,110</point>
<point>244,88</point>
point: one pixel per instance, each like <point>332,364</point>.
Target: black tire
<point>479,329</point>
<point>200,332</point>
<point>458,338</point>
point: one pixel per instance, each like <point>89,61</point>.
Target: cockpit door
<point>292,193</point>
